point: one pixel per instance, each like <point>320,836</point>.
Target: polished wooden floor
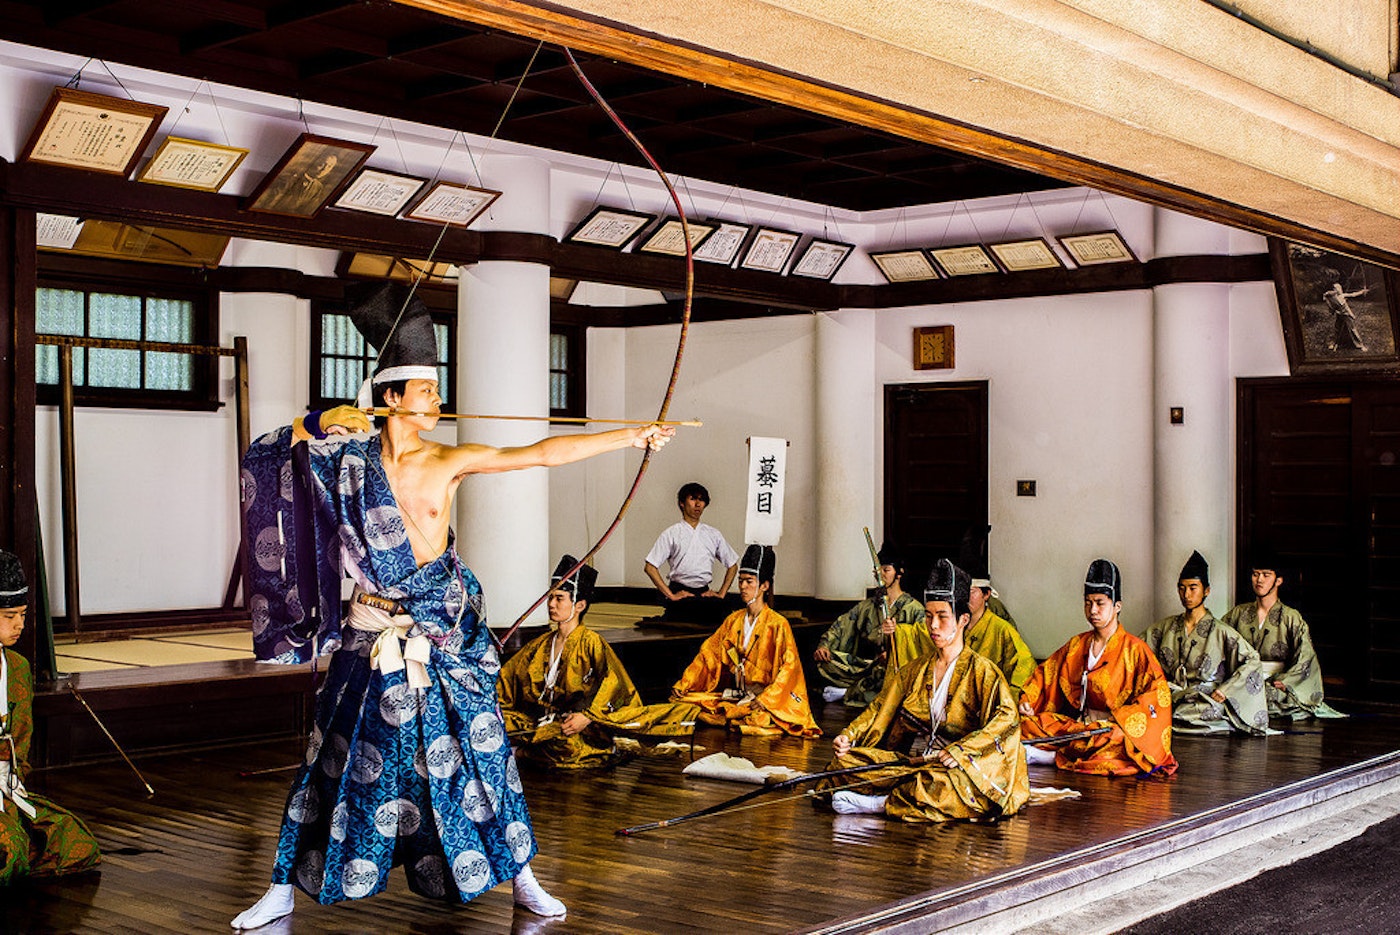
<point>190,858</point>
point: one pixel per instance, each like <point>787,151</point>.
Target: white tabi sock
<point>854,803</point>
<point>275,903</point>
<point>530,895</point>
<point>1040,756</point>
<point>832,693</point>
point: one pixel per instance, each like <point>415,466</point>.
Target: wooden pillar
<point>18,502</point>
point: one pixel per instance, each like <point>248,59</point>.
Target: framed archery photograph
<point>610,227</point>
<point>1339,315</point>
<point>724,244</point>
<point>450,203</point>
<point>822,259</point>
<point>1018,256</point>
<point>770,250</point>
<point>377,191</point>
<point>668,239</point>
<point>905,266</point>
<point>964,260</point>
<point>191,164</point>
<point>83,130</point>
<point>1097,248</point>
<point>309,174</point>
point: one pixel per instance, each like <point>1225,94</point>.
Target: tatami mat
<point>147,652</point>
<point>241,640</point>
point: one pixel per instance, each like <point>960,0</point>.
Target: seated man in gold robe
<point>748,674</point>
<point>953,705</point>
<point>1103,678</point>
<point>1217,685</point>
<point>565,695</point>
<point>1292,675</point>
<point>37,838</point>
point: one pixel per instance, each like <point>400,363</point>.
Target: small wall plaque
<point>933,348</point>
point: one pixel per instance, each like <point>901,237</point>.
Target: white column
<point>849,430</point>
<point>503,367</point>
<point>1193,491</point>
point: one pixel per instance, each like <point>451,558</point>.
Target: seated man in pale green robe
<point>1216,683</point>
<point>1292,676</point>
<point>853,654</point>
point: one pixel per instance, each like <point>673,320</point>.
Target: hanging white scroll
<point>763,522</point>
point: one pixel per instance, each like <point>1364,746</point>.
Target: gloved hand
<point>341,420</point>
<point>347,419</point>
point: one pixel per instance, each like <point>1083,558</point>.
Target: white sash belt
<point>11,788</point>
<point>1271,669</point>
<point>386,655</point>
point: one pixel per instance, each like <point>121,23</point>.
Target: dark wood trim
<point>536,19</point>
<point>19,505</point>
<point>721,293</point>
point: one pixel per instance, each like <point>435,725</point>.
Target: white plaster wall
<point>1070,394</point>
<point>742,378</point>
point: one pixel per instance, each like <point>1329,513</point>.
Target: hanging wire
<point>77,78</point>
<point>116,79</point>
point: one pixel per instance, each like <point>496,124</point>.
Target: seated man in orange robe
<point>748,674</point>
<point>1105,677</point>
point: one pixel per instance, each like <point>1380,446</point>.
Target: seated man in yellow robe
<point>1103,678</point>
<point>565,695</point>
<point>748,674</point>
<point>992,636</point>
<point>854,652</point>
<point>1217,685</point>
<point>37,838</point>
<point>954,705</point>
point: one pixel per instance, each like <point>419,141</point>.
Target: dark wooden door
<point>1319,482</point>
<point>935,468</point>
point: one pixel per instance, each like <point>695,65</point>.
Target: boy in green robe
<point>1216,681</point>
<point>1292,676</point>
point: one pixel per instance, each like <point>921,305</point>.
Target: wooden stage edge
<point>200,851</point>
<point>1016,899</point>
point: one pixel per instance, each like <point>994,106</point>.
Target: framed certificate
<point>84,130</point>
<point>192,164</point>
<point>770,249</point>
<point>450,203</point>
<point>375,191</point>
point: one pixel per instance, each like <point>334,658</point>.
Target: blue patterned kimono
<point>394,775</point>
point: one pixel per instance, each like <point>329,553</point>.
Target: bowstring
<point>421,274</point>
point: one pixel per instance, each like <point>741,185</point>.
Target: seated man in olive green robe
<point>1214,674</point>
<point>37,838</point>
<point>565,696</point>
<point>1292,676</point>
<point>853,655</point>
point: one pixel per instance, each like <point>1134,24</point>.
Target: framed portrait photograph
<point>1018,256</point>
<point>191,164</point>
<point>610,227</point>
<point>450,203</point>
<point>1097,248</point>
<point>822,259</point>
<point>668,239</point>
<point>1339,314</point>
<point>964,260</point>
<point>770,250</point>
<point>84,130</point>
<point>308,176</point>
<point>377,191</point>
<point>905,266</point>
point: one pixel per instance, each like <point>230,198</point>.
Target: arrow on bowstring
<point>680,341</point>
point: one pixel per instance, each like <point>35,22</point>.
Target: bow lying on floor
<point>910,762</point>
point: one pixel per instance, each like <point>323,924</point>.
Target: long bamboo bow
<point>680,342</point>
